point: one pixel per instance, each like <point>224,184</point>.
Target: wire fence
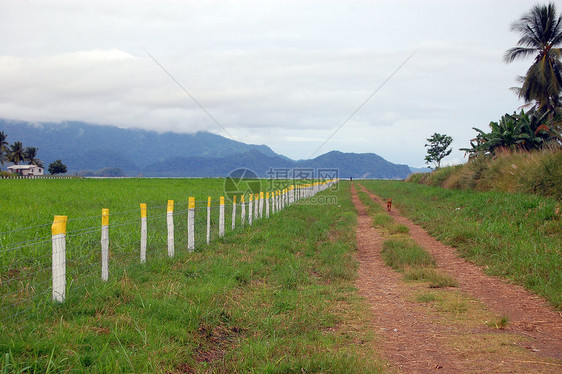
<point>32,266</point>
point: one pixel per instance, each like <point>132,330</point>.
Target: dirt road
<point>419,337</point>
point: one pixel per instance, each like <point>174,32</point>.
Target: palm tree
<point>541,34</point>
<point>16,153</point>
<point>3,147</point>
<point>30,154</point>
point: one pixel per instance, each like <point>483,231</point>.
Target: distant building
<point>26,170</point>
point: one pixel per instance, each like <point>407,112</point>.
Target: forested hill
<point>88,147</point>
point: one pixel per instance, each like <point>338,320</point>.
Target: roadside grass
<point>275,297</point>
<point>517,236</point>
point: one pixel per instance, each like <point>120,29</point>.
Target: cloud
<point>285,74</point>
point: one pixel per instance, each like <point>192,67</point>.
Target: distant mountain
<point>89,149</point>
<point>84,146</point>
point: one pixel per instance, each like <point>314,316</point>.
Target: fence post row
<point>104,244</point>
<point>58,264</point>
<point>170,223</point>
<point>277,199</point>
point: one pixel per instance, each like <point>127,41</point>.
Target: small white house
<point>26,170</point>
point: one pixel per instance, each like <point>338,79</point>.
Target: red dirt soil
<point>415,341</point>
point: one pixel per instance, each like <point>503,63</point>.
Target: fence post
<point>292,194</point>
<point>261,204</point>
<point>250,210</point>
<point>104,244</point>
<point>267,204</point>
<point>143,233</point>
<point>170,222</point>
<point>233,212</point>
<point>221,217</point>
<point>191,225</point>
<point>58,264</point>
<point>208,220</point>
<point>243,212</point>
<point>256,206</point>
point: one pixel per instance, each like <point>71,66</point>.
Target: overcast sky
<point>282,73</point>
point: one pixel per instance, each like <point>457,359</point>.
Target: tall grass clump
<point>401,252</point>
<point>537,172</point>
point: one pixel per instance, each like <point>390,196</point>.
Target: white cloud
<point>282,73</point>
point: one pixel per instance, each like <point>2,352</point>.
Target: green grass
<point>435,278</point>
<point>277,297</point>
<point>517,236</point>
<point>499,324</point>
<point>402,252</point>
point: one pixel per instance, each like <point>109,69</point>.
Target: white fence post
<point>143,233</point>
<point>250,210</point>
<point>243,212</point>
<point>208,220</point>
<point>233,212</point>
<point>261,204</point>
<point>191,225</point>
<point>221,217</point>
<point>256,206</point>
<point>170,223</point>
<point>292,194</point>
<point>267,204</point>
<point>58,264</point>
<point>105,244</point>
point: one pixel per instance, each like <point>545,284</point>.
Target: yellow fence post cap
<point>170,206</point>
<point>143,210</point>
<point>191,204</point>
<point>59,225</point>
<point>105,217</point>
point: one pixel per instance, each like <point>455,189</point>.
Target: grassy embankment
<point>538,172</point>
<point>274,297</point>
<point>518,236</point>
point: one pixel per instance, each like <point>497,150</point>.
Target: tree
<point>3,147</point>
<point>541,34</point>
<point>437,148</point>
<point>523,131</point>
<point>57,167</point>
<point>16,153</point>
<point>30,154</point>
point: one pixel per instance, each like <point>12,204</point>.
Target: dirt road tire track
<point>529,315</point>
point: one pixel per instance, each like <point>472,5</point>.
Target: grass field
<point>276,297</point>
<point>518,236</point>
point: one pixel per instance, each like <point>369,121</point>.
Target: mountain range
<point>91,149</point>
